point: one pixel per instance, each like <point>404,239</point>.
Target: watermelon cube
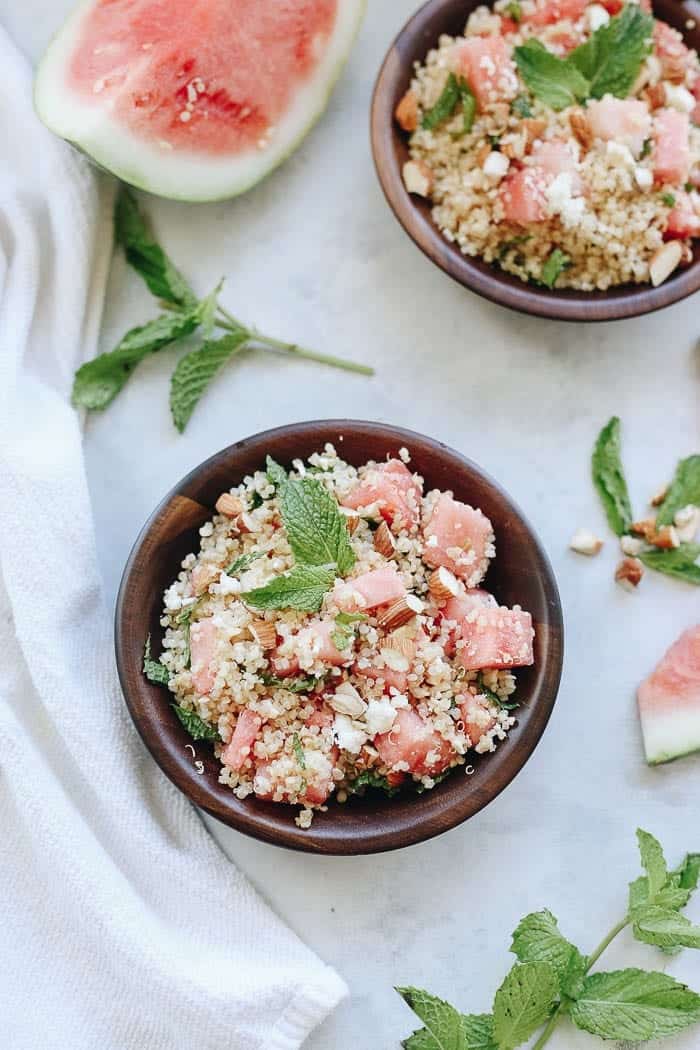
<point>238,751</point>
<point>202,652</point>
<point>413,742</point>
<point>493,637</point>
<point>486,63</point>
<point>460,538</point>
<point>671,147</point>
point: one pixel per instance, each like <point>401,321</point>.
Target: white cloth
<point>122,925</point>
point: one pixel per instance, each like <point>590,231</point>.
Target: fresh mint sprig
<point>153,669</point>
<point>609,478</point>
<point>194,725</point>
<point>552,978</point>
<point>99,381</point>
<point>684,490</point>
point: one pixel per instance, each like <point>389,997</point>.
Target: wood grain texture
<point>390,149</point>
<point>520,574</point>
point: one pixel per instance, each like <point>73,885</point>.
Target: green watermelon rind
<point>660,747</point>
<point>55,114</point>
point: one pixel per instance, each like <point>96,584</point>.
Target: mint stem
<point>592,960</point>
<point>231,324</point>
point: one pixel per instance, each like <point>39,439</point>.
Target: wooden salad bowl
<point>390,149</point>
<point>521,574</point>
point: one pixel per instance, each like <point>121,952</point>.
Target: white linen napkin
<point>123,927</point>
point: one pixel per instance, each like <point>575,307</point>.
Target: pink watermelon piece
<point>671,147</point>
<point>669,48</point>
<point>496,638</point>
<point>623,120</point>
<point>411,740</point>
<point>316,639</point>
<point>370,590</point>
<point>192,100</point>
<point>269,781</point>
<point>547,12</point>
<point>477,718</point>
<point>203,637</point>
<point>522,196</point>
<point>669,702</point>
<point>683,219</point>
<point>394,490</point>
<point>458,537</point>
<point>239,749</point>
<point>392,679</point>
<point>486,63</point>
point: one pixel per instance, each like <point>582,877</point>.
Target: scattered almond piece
<point>664,261</point>
<point>443,585</point>
<point>482,153</point>
<point>400,612</point>
<point>384,542</point>
<point>230,506</point>
<point>352,521</point>
<point>347,701</point>
<point>534,128</point>
<point>646,529</point>
<point>629,573</point>
<point>631,545</point>
<point>402,640</point>
<point>660,496</point>
<point>656,95</point>
<point>666,538</point>
<point>417,178</point>
<point>584,541</point>
<point>581,129</point>
<point>407,112</point>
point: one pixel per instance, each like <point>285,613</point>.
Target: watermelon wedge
<point>195,100</point>
<point>669,702</point>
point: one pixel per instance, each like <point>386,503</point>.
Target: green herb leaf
<point>303,589</point>
<point>299,751</point>
<point>668,199</point>
<point>98,382</point>
<point>316,530</point>
<point>276,474</point>
<point>555,81</point>
<point>554,265</point>
<point>196,370</point>
<point>368,778</point>
<point>445,1028</point>
<point>609,478</point>
<point>634,1005</point>
<point>684,490</point>
<point>146,256</point>
<point>514,11</point>
<point>682,562</point>
<point>468,110</point>
<point>195,726</point>
<point>538,939</point>
<point>646,148</point>
<point>523,1003</point>
<point>344,633</point>
<point>243,562</point>
<point>611,58</point>
<point>665,928</point>
<point>445,105</point>
<point>653,862</point>
<point>292,685</point>
<point>521,106</point>
<point>688,873</point>
<point>153,669</point>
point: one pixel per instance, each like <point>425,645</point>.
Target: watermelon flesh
<point>669,702</point>
<point>193,99</point>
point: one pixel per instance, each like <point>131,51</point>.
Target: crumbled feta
<point>496,165</point>
<point>227,585</point>
<point>596,16</point>
<point>380,716</point>
<point>562,201</point>
<point>644,178</point>
<point>620,154</point>
<point>680,98</point>
<point>347,735</point>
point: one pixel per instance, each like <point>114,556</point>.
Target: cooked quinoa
<point>592,182</point>
<point>387,683</point>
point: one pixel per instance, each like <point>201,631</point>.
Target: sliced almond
<point>581,128</point>
<point>629,573</point>
<point>443,585</point>
<point>384,542</point>
<point>347,701</point>
<point>352,521</point>
<point>664,261</point>
<point>402,640</point>
<point>406,112</point>
<point>264,633</point>
<point>584,541</point>
<point>417,178</point>
<point>666,538</point>
<point>230,506</point>
<point>400,612</point>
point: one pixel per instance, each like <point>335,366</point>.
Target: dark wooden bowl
<point>520,574</point>
<point>390,149</point>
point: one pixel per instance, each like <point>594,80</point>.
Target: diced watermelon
<point>283,665</point>
<point>238,751</point>
<point>457,608</point>
<point>613,7</point>
<point>411,740</point>
<point>477,718</point>
<point>669,702</point>
<point>670,49</point>
<point>322,717</point>
<point>316,639</point>
<point>522,196</point>
<point>370,590</point>
<point>556,157</point>
<point>671,147</point>
<point>270,778</point>
<point>562,41</point>
<point>392,679</point>
<point>486,63</point>
<point>202,652</point>
<point>508,26</point>
<point>394,490</point>
<point>496,638</point>
<point>547,12</point>
<point>623,120</point>
<point>683,220</point>
<point>458,537</point>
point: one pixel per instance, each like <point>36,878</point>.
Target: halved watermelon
<point>669,702</point>
<point>193,99</point>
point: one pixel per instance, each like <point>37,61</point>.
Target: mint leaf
<point>634,1005</point>
<point>554,265</point>
<point>653,861</point>
<point>276,474</point>
<point>153,669</point>
<point>146,256</point>
<point>368,778</point>
<point>521,106</point>
<point>523,1003</point>
<point>684,490</point>
<point>555,81</point>
<point>316,530</point>
<point>344,633</point>
<point>538,939</point>
<point>196,370</point>
<point>612,57</point>
<point>195,726</point>
<point>292,685</point>
<point>688,873</point>
<point>445,105</point>
<point>243,562</point>
<point>468,109</point>
<point>666,929</point>
<point>444,1029</point>
<point>681,562</point>
<point>303,589</point>
<point>299,751</point>
<point>98,382</point>
<point>478,1032</point>
<point>609,478</point>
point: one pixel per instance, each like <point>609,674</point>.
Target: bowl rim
<point>180,770</point>
<point>504,289</point>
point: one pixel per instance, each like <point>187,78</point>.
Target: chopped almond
<point>230,506</point>
<point>384,542</point>
<point>534,129</point>
<point>417,178</point>
<point>407,112</point>
<point>400,612</point>
<point>659,496</point>
<point>581,128</point>
<point>666,538</point>
<point>646,529</point>
<point>443,585</point>
<point>584,541</point>
<point>264,633</point>
<point>629,573</point>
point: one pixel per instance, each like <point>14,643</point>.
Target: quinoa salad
<point>559,140</point>
<point>331,634</point>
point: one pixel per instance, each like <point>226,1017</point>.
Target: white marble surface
<point>314,254</point>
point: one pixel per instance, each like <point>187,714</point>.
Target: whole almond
<point>230,506</point>
<point>400,612</point>
<point>384,542</point>
<point>443,585</point>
